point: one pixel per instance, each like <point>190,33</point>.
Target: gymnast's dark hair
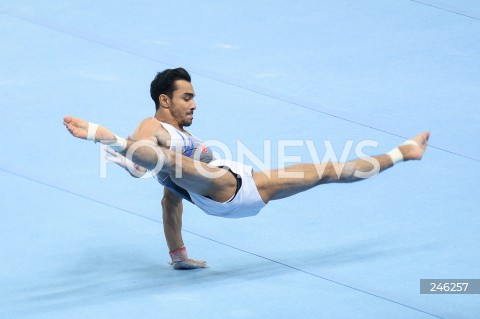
<point>164,83</point>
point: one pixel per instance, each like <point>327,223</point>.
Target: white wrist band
<point>120,145</point>
<point>92,130</point>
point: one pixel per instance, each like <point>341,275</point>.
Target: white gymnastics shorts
<point>247,202</point>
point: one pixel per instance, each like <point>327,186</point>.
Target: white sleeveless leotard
<point>246,202</point>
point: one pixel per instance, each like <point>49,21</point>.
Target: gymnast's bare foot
<point>414,151</point>
<point>79,128</point>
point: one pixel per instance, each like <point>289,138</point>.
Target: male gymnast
<point>187,169</point>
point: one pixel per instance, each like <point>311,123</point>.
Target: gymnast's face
<point>182,103</point>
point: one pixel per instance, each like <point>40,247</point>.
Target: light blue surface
<point>74,245</point>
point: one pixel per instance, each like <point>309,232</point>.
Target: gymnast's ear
<point>164,101</point>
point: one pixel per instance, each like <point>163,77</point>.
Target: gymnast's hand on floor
<point>190,264</point>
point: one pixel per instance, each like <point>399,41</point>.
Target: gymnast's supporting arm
<point>172,208</point>
<point>172,224</point>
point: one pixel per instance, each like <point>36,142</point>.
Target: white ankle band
<point>396,155</point>
<point>120,145</point>
<point>92,130</point>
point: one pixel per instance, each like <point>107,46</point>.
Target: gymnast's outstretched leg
<point>285,182</point>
